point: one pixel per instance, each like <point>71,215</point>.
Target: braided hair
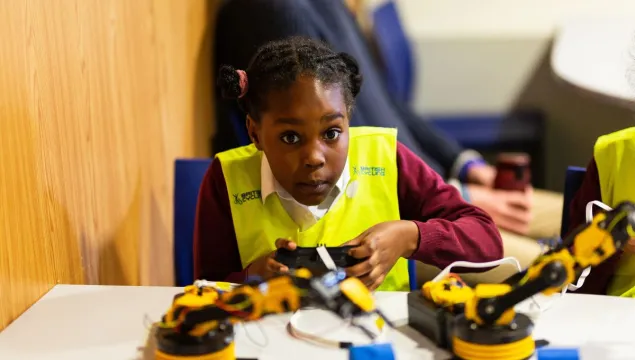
<point>278,64</point>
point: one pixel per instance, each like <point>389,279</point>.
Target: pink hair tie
<point>243,83</point>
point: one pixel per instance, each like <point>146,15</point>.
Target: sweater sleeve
<point>450,229</point>
<point>216,256</point>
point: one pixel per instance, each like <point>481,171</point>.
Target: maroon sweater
<point>598,280</point>
<point>450,229</point>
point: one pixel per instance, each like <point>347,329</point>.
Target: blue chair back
<point>572,182</point>
<point>188,175</point>
<point>394,50</point>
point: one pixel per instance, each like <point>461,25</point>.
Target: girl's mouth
<point>313,187</point>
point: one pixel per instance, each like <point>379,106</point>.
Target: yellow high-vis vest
<point>615,159</point>
<point>370,198</point>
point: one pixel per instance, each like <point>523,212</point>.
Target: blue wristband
<point>466,167</point>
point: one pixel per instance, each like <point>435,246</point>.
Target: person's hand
<point>383,244</point>
<point>265,266</point>
<point>482,174</point>
<point>510,210</point>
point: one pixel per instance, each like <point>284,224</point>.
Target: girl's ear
<point>254,130</point>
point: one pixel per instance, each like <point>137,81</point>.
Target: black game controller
<point>308,257</point>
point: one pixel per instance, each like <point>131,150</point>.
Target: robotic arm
<point>200,320</point>
<point>588,245</point>
<point>486,320</point>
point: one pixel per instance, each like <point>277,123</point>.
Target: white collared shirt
<point>304,216</point>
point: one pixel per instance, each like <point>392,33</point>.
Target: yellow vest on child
<point>615,159</point>
<point>370,198</point>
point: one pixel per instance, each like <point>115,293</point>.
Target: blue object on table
<point>188,175</point>
<point>412,274</point>
<point>548,353</point>
<point>572,182</point>
<point>381,351</point>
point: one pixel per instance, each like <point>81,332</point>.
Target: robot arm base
<point>172,344</point>
<point>513,341</point>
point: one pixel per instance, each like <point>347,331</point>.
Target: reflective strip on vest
<point>615,159</point>
<point>373,171</point>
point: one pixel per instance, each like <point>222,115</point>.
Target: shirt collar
<point>270,185</point>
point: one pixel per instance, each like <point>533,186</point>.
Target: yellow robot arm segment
<point>607,233</point>
<point>593,244</point>
<point>196,311</point>
<point>358,294</point>
<point>563,262</point>
<point>488,291</point>
<point>448,292</point>
<point>280,295</point>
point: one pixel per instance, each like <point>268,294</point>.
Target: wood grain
<point>97,99</point>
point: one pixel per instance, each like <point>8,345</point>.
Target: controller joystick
<point>308,257</point>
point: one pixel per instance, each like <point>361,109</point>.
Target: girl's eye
<point>290,139</point>
<point>332,134</point>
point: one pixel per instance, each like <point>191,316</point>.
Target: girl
<point>308,178</point>
<point>609,179</point>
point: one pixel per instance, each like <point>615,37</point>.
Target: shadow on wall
<point>160,244</point>
<point>115,267</point>
<point>38,245</point>
<point>575,119</point>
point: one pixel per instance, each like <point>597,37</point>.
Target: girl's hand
<point>510,210</point>
<point>266,266</point>
<point>482,174</point>
<point>383,244</point>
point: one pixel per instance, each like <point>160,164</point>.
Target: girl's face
<point>304,134</point>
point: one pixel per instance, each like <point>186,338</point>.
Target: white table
<point>597,56</point>
<point>111,322</point>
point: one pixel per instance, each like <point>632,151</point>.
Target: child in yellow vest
<point>609,179</point>
<point>308,179</point>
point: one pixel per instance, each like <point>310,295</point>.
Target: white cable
<point>472,265</point>
<point>589,209</point>
<point>579,283</point>
<point>318,339</point>
<point>218,285</point>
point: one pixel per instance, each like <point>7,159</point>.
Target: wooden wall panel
<point>97,99</point>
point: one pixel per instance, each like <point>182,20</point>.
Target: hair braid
<point>276,65</point>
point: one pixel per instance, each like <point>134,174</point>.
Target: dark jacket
<point>245,25</point>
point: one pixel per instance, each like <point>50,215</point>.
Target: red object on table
<point>512,172</point>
